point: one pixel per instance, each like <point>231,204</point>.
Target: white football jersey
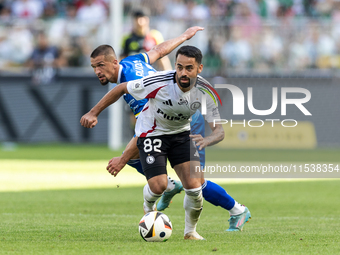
<point>168,109</point>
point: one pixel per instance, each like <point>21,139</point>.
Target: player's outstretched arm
<point>216,136</point>
<point>90,119</point>
<point>166,47</point>
<point>117,163</point>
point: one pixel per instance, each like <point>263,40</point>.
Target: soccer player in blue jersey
<point>107,68</point>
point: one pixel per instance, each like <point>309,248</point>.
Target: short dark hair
<point>140,12</point>
<point>190,52</point>
<point>103,50</point>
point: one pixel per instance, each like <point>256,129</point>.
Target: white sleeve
<point>136,89</point>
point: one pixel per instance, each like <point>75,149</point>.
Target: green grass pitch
<point>288,217</point>
<point>96,152</point>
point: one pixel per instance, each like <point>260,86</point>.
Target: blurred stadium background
<point>56,196</point>
<point>248,43</point>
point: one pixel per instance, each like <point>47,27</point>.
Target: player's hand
<point>88,120</point>
<point>199,141</point>
<point>114,166</point>
<point>190,32</point>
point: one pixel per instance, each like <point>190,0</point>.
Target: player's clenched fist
<point>115,166</point>
<point>88,120</point>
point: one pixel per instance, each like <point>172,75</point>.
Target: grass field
<point>97,152</point>
<point>60,200</point>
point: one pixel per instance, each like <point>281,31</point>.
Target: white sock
<point>193,205</point>
<point>149,199</point>
<point>237,209</point>
<point>171,185</point>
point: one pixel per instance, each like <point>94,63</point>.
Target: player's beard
<point>184,84</point>
<point>104,82</point>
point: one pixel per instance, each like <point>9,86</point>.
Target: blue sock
<point>135,163</point>
<point>216,195</point>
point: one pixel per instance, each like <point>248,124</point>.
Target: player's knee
<point>158,184</point>
<point>158,188</point>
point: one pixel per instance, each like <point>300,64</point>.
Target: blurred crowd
<point>261,35</point>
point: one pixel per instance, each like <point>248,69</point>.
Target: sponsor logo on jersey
<point>168,102</point>
<point>168,117</point>
<point>181,101</point>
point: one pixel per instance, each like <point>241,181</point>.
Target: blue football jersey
<point>132,68</point>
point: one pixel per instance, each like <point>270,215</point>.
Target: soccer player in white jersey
<point>163,131</point>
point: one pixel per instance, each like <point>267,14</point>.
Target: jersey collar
<point>119,73</point>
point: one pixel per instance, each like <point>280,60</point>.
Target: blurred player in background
<point>44,61</point>
<point>143,39</point>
